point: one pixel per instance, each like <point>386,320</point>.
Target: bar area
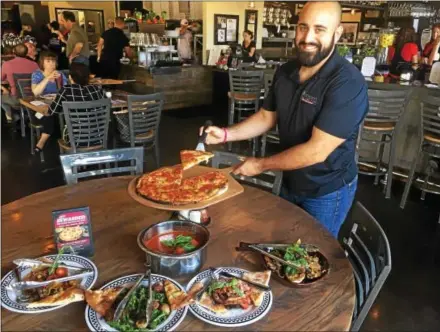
<point>215,166</point>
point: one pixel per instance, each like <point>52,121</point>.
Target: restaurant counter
<point>182,87</point>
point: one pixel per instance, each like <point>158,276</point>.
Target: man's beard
<point>309,59</point>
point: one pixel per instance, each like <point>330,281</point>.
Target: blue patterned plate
<point>234,317</point>
<point>96,322</point>
<point>9,298</point>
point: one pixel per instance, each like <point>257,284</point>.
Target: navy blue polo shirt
<point>335,100</point>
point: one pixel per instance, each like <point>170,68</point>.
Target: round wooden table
<point>254,216</point>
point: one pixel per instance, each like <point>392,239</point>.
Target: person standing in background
<point>31,44</point>
<point>431,50</point>
<point>57,45</point>
<point>406,51</point>
<point>111,46</point>
<point>77,49</point>
<point>249,46</point>
<point>184,43</point>
<point>19,65</point>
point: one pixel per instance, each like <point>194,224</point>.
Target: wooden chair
<point>368,250</point>
<point>73,162</point>
<point>385,110</point>
<point>272,136</point>
<point>226,159</point>
<point>87,125</point>
<point>244,97</point>
<point>139,125</point>
<point>26,92</point>
<point>23,86</point>
<point>429,144</point>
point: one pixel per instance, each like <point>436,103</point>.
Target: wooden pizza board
<point>234,189</point>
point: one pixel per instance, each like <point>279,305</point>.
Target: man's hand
<point>250,167</point>
<point>5,91</point>
<point>215,135</point>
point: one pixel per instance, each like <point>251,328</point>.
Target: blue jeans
<point>81,59</point>
<point>331,209</point>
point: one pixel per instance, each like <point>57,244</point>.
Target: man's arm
<point>128,51</point>
<point>76,50</point>
<point>314,151</point>
<point>99,48</point>
<point>339,119</point>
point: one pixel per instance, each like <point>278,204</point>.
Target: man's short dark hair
<point>69,16</point>
<point>79,73</point>
<point>120,20</point>
<point>21,50</point>
<point>55,25</point>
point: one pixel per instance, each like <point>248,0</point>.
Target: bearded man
<point>319,100</point>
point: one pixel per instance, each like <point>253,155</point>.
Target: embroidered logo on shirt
<point>308,98</point>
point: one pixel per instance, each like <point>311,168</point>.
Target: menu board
<point>225,29</point>
<point>73,228</point>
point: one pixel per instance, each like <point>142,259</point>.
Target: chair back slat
<point>23,84</point>
<point>268,79</point>
<point>430,114</point>
<point>368,249</point>
<point>228,159</point>
<point>87,123</point>
<point>110,159</point>
<point>385,105</point>
<point>246,82</point>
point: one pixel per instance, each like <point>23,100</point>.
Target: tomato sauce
<point>156,243</point>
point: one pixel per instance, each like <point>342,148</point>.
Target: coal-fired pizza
<point>166,185</point>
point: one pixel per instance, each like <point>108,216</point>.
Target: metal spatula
<point>201,144</point>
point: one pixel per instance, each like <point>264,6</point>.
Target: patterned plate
<point>234,317</point>
<point>95,322</point>
<point>9,298</point>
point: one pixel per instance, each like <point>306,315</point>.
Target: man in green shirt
<point>77,47</point>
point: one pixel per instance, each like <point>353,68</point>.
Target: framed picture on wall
<point>350,33</point>
<point>251,21</point>
<point>225,29</point>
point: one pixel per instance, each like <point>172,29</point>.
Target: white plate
<point>234,317</point>
<point>95,322</point>
<point>9,298</point>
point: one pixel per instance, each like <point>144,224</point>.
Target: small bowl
<point>306,282</point>
<point>175,266</point>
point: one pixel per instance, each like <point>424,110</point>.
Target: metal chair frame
<point>22,85</point>
<point>247,83</point>
<point>272,136</point>
<point>87,123</point>
<point>429,125</point>
<point>72,162</point>
<point>21,95</point>
<point>367,248</point>
<point>230,159</point>
<point>384,107</point>
<point>144,115</point>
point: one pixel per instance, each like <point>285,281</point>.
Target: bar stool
<point>429,145</point>
<point>244,97</point>
<point>385,109</point>
<point>272,136</point>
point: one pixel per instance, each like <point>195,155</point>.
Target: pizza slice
<point>190,297</point>
<point>70,295</point>
<point>207,302</point>
<point>190,158</point>
<point>102,300</point>
<point>261,278</point>
<point>174,295</point>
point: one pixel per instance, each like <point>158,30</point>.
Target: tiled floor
<point>410,297</point>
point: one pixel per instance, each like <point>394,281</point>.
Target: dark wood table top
<point>118,101</point>
<point>254,216</point>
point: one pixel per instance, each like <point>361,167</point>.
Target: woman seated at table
<point>431,50</point>
<point>47,79</point>
<point>249,46</point>
<point>77,90</point>
<point>405,52</point>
